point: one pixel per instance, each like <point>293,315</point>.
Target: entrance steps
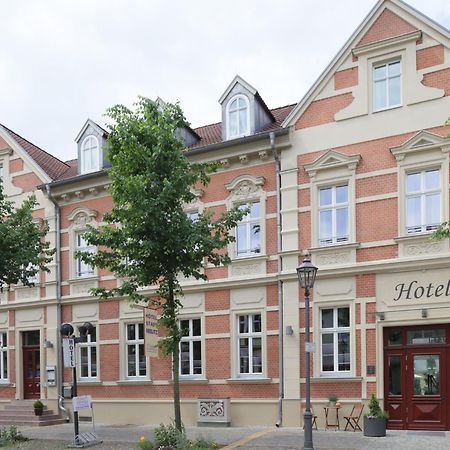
<point>21,413</point>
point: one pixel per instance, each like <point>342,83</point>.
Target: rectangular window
<point>136,360</point>
<point>191,347</point>
<point>387,90</point>
<point>333,215</point>
<point>335,340</point>
<point>3,356</point>
<point>250,344</point>
<point>83,269</point>
<point>88,356</point>
<point>423,201</point>
<point>248,231</point>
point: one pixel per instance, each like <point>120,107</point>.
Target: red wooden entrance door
<point>31,365</point>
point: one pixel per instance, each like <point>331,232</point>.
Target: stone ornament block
<point>212,411</point>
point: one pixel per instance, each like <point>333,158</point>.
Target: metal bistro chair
<point>353,418</point>
<point>314,417</point>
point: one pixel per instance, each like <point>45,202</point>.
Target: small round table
<point>330,412</point>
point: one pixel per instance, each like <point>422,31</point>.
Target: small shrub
<point>38,404</point>
<point>333,398</point>
<point>145,444</point>
<point>375,408</point>
<point>9,436</point>
<point>168,435</point>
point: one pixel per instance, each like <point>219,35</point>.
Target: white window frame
<point>249,222</point>
<point>250,335</point>
<point>89,345</point>
<point>423,194</point>
<point>3,352</point>
<point>387,78</point>
<point>334,206</point>
<point>139,347</point>
<point>94,155</point>
<point>335,330</point>
<point>90,271</point>
<point>190,339</point>
<point>229,110</point>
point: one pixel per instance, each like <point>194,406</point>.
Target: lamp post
<point>67,331</point>
<point>306,276</point>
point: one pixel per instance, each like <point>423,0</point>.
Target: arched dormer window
<point>238,120</point>
<point>90,155</point>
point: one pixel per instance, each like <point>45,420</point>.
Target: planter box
<point>213,412</point>
<point>374,426</point>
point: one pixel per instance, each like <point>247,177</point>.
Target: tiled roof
<point>51,165</point>
<point>212,134</point>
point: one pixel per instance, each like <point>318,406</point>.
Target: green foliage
<point>145,444</point>
<point>333,398</point>
<point>149,239</point>
<point>38,404</point>
<point>23,248</point>
<point>169,435</point>
<point>9,436</point>
<point>375,408</point>
<point>442,231</point>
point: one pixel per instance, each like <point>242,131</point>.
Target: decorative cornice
<point>421,142</point>
<point>332,160</point>
<point>381,45</point>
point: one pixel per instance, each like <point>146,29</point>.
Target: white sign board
<point>150,332</point>
<point>309,347</point>
<point>82,402</point>
<point>69,352</point>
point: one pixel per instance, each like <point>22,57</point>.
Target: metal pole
<point>75,413</point>
<point>307,417</point>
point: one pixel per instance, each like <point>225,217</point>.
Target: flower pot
<point>38,411</point>
<point>374,426</point>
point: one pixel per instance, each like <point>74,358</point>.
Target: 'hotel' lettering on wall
<point>415,291</point>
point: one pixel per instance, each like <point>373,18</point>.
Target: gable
<point>386,26</point>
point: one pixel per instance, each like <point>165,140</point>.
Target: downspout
<point>59,370</point>
<point>279,282</point>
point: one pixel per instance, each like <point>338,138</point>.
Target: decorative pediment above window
<point>245,187</point>
<point>420,142</point>
<point>80,217</point>
<point>332,160</point>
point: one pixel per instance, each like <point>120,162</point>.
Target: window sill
<point>245,258</point>
<point>387,108</point>
<point>82,279</point>
<point>194,380</point>
<point>134,382</point>
<point>89,383</point>
<point>328,378</point>
<point>413,237</point>
<point>245,380</point>
<point>332,247</point>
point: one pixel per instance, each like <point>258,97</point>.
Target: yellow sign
<point>150,332</point>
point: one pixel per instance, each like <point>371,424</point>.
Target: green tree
<point>23,248</point>
<point>148,238</point>
<point>443,230</point>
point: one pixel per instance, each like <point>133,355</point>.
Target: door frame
<point>20,373</point>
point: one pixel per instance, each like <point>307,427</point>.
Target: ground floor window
<point>88,356</point>
<point>3,356</point>
<point>250,344</point>
<point>136,360</point>
<point>191,347</point>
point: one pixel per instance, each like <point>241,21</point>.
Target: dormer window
<point>90,155</point>
<point>238,117</point>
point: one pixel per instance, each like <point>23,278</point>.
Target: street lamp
<point>67,331</point>
<point>306,276</point>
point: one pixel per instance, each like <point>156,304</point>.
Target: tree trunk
<point>175,361</point>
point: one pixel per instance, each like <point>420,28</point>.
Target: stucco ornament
<point>80,217</point>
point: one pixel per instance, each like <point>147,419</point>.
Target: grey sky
<point>62,61</point>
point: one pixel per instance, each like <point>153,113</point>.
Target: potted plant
<point>375,419</point>
<point>332,399</point>
<point>38,407</point>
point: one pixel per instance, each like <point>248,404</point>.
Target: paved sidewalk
<point>259,438</point>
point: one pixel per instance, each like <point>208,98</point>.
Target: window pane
<point>394,91</point>
<point>341,194</point>
<point>432,209</point>
<point>394,68</point>
<point>395,338</point>
<point>341,224</point>
<point>327,352</point>
<point>327,318</point>
<point>344,351</point>
<point>243,324</point>
<point>4,339</point>
<point>379,72</point>
<point>325,196</point>
<point>255,210</point>
<point>232,123</point>
<point>131,335</point>
<point>257,355</point>
<point>184,326</point>
<point>93,361</point>
<point>197,349</point>
<point>426,374</point>
<point>5,365</point>
<point>343,317</point>
<point>379,94</point>
<point>432,179</point>
<point>413,211</point>
<point>196,327</point>
<point>84,362</point>
<point>395,375</point>
<point>241,239</point>
<point>243,121</point>
<point>413,183</point>
<point>141,331</point>
<point>256,323</point>
<point>142,361</point>
<point>131,360</point>
<point>326,229</point>
<point>243,355</point>
<point>255,238</point>
<point>427,336</point>
<point>184,358</point>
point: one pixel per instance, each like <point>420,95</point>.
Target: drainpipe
<point>59,370</point>
<point>279,282</point>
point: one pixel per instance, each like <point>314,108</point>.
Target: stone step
<point>20,408</point>
<point>24,413</point>
<point>33,423</point>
